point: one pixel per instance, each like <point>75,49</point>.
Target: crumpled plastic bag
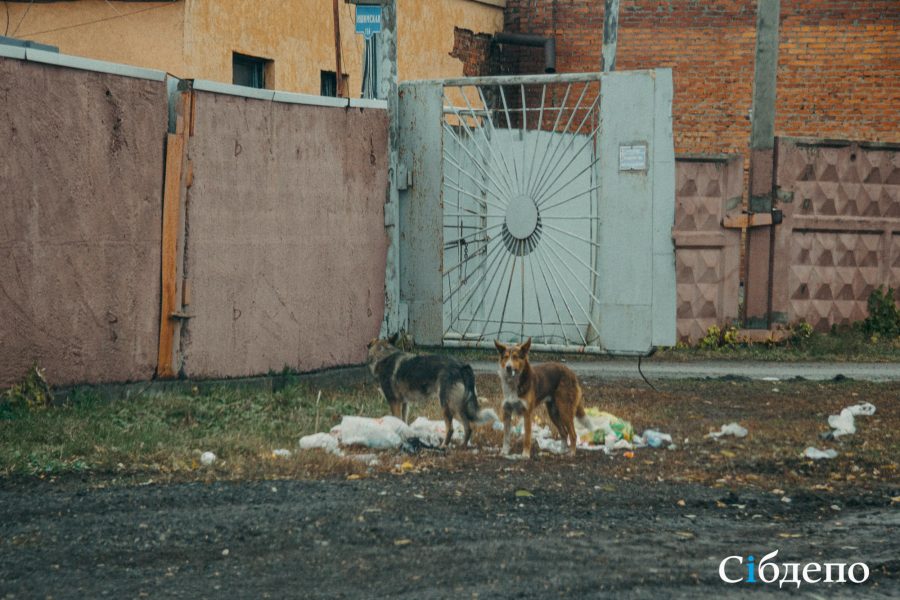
<point>431,433</point>
<point>325,441</point>
<point>844,423</point>
<point>816,454</point>
<point>384,432</point>
<point>656,439</point>
<point>602,425</point>
<point>730,429</point>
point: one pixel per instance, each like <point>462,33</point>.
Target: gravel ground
<point>466,533</point>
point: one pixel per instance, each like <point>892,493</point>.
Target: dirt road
<point>463,533</point>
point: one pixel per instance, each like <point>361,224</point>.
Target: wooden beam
<point>746,221</point>
<point>171,229</point>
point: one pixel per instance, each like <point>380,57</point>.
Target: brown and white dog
<point>526,386</point>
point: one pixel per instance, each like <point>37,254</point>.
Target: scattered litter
<point>656,439</point>
<point>207,458</point>
<point>326,441</point>
<point>403,542</point>
<point>844,423</point>
<point>771,379</point>
<point>281,453</point>
<point>431,433</point>
<point>816,454</point>
<point>730,429</point>
<point>386,432</point>
<point>602,424</point>
<point>785,499</point>
<point>523,494</point>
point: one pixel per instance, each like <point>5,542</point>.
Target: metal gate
<point>505,230</point>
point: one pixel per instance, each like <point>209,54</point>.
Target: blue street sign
<point>368,20</point>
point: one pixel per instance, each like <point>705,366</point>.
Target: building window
<point>328,84</point>
<point>249,71</point>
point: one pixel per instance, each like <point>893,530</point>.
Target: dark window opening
<point>249,70</point>
<point>328,84</point>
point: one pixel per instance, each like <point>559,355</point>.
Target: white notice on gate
<point>633,157</point>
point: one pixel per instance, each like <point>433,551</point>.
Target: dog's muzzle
<point>510,371</point>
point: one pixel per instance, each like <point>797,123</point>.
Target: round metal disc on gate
<point>521,217</point>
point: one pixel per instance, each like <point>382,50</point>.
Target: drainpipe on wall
<point>525,39</point>
<point>610,36</point>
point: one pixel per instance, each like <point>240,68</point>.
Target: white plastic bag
<point>816,454</point>
<point>386,432</point>
<point>730,429</point>
<point>325,441</point>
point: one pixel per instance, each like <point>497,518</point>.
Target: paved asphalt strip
<point>628,369</point>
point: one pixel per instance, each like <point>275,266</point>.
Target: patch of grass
<point>167,433</point>
<point>849,344</point>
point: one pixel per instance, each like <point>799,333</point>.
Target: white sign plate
<point>633,157</point>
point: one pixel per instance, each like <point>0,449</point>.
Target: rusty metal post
<point>394,320</point>
<point>759,256</point>
<point>610,35</point>
<point>339,76</point>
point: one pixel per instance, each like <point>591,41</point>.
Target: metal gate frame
<point>636,261</point>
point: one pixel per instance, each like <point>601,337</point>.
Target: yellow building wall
<point>425,34</point>
<point>196,38</point>
<point>145,34</point>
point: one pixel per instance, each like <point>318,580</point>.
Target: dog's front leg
<point>507,428</point>
<point>526,448</point>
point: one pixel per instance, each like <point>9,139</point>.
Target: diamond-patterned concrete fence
<point>707,255</point>
<point>840,238</point>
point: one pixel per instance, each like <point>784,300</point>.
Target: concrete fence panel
<point>284,243</point>
<point>80,205</point>
<point>840,238</point>
<point>707,256</point>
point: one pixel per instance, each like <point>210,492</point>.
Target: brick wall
<point>475,51</point>
<point>838,75</point>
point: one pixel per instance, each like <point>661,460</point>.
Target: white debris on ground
<point>816,454</point>
<point>730,429</point>
<point>207,458</point>
<point>844,423</point>
<point>607,433</point>
<point>380,433</point>
<point>281,453</point>
<point>325,441</point>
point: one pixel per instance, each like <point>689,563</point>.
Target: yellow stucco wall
<point>146,34</point>
<point>425,33</point>
<point>196,38</point>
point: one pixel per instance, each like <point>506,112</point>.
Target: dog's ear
<point>372,342</point>
<point>526,346</point>
<point>393,339</point>
<point>500,347</point>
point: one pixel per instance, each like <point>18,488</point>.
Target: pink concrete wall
<point>707,256</point>
<point>80,206</point>
<point>285,239</point>
<point>841,234</point>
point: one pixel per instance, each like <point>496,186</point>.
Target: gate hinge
<point>404,177</point>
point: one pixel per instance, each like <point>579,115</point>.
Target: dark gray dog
<point>405,378</point>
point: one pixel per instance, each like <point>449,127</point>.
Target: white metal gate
<point>505,223</point>
<point>520,212</point>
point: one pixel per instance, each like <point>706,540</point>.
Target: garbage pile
<point>606,433</point>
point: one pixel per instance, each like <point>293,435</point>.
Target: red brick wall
<point>838,75</point>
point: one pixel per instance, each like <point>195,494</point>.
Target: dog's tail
<point>477,415</point>
<point>582,417</point>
